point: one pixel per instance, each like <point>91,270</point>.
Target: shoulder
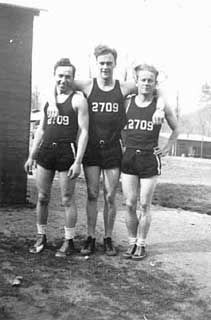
<point>128,87</point>
<point>84,85</point>
<point>78,97</point>
<point>79,100</point>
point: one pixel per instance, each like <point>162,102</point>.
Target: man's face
<point>106,65</point>
<point>64,78</point>
<point>146,82</point>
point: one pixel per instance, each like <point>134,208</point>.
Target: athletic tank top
<point>106,114</point>
<point>141,133</point>
<point>65,127</point>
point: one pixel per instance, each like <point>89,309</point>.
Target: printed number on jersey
<point>136,124</point>
<point>60,120</point>
<point>105,107</point>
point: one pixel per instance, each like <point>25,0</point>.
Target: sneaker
<point>108,247</point>
<point>139,254</point>
<point>130,251</point>
<point>89,246</point>
<point>39,245</point>
<point>66,249</point>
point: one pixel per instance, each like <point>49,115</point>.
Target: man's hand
<point>165,151</point>
<point>74,170</point>
<point>29,165</point>
<point>52,111</point>
<point>158,116</point>
<point>162,152</point>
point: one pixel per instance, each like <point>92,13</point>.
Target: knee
<point>131,204</point>
<point>43,199</point>
<point>110,199</point>
<point>145,208</point>
<point>92,194</point>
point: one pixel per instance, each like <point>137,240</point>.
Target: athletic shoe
<point>39,245</point>
<point>66,249</point>
<point>108,247</point>
<point>130,251</point>
<point>140,253</point>
<point>89,246</point>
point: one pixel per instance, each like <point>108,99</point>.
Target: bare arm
<point>36,143</point>
<point>128,87</point>
<point>81,107</point>
<point>83,85</point>
<point>173,124</point>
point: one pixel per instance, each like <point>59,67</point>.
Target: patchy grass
<point>75,288</point>
<point>185,183</point>
<point>186,197</point>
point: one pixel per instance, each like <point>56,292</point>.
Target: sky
<point>174,35</point>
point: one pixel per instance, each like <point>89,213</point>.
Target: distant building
<point>16,33</point>
<point>189,145</point>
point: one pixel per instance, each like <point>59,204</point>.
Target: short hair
<point>147,67</point>
<point>64,62</point>
<point>103,49</point>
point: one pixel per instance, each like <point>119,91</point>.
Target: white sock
<point>41,228</point>
<point>132,241</point>
<point>69,233</point>
<point>141,242</point>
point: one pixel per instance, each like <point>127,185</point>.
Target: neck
<point>105,82</point>
<point>63,93</point>
<point>143,100</point>
<point>145,97</point>
<point>62,96</point>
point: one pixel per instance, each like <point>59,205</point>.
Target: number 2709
<point>105,107</point>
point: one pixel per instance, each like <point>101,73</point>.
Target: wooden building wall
<point>16,30</point>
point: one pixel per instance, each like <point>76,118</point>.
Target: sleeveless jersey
<point>65,127</point>
<point>106,114</point>
<point>141,133</point>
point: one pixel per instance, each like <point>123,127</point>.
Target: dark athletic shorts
<point>142,163</point>
<point>104,156</point>
<point>56,156</point>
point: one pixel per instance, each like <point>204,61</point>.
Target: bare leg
<point>68,199</point>
<point>111,180</point>
<point>92,175</point>
<point>147,190</point>
<point>130,184</point>
<point>67,186</point>
<point>44,179</point>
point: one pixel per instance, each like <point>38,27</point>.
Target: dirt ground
<point>172,283</point>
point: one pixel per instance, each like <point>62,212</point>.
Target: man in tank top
<point>59,145</point>
<point>141,163</point>
<point>103,154</point>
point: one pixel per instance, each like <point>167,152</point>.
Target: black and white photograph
<point>105,160</point>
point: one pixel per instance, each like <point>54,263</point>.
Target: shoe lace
<point>87,243</point>
<point>40,240</point>
<point>64,246</point>
<point>109,243</point>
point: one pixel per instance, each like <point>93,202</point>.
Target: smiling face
<point>64,76</point>
<point>106,64</point>
<point>146,82</point>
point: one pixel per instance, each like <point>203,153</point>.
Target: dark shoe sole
<point>138,258</point>
<point>110,254</point>
<point>125,256</point>
<point>87,253</point>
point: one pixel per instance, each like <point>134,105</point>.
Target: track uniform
<point>58,148</point>
<point>141,156</point>
<point>106,120</point>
